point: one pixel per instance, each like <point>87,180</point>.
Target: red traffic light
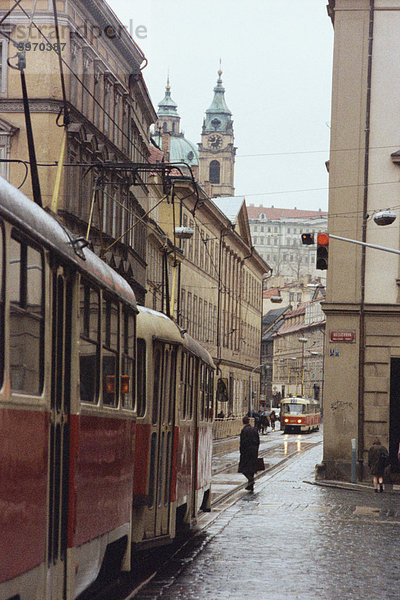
<point>323,239</point>
<point>322,251</point>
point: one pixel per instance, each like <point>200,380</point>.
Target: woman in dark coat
<point>377,460</point>
<point>249,442</point>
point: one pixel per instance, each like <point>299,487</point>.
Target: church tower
<point>216,149</point>
<point>170,138</point>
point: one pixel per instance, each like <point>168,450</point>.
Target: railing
<point>227,427</point>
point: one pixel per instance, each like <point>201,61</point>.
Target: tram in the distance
<point>299,415</point>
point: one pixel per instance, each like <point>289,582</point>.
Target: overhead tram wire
<point>328,151</point>
<point>347,214</point>
<point>8,13</point>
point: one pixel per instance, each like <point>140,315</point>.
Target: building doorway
<point>394,424</point>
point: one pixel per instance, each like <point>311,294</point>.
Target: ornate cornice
<point>36,105</point>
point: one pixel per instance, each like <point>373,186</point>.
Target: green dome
<point>181,150</point>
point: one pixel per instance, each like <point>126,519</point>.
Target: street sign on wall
<point>342,336</point>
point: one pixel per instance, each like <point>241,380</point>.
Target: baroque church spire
<point>218,115</point>
<point>167,107</point>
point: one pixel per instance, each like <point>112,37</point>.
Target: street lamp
<point>251,383</point>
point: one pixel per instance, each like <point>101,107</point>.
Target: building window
<point>3,66</point>
<point>87,84</point>
<point>215,171</point>
<point>107,106</point>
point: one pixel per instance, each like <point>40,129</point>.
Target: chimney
<point>166,144</point>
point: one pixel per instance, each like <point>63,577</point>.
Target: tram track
<point>173,557</point>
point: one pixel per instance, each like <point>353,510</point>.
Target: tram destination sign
<point>343,336</point>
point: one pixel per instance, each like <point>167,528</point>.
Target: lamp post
<point>251,384</point>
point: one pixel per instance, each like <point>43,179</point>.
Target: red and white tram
<point>75,493</point>
<point>174,429</point>
<point>299,415</point>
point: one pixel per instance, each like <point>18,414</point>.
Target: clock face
<point>215,141</point>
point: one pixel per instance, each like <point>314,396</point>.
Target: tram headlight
<point>299,420</point>
<point>286,420</point>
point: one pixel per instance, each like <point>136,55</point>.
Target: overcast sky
<point>276,61</point>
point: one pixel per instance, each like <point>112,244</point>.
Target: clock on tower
<point>217,150</point>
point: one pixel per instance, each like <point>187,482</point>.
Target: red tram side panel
<point>103,476</point>
<point>23,485</point>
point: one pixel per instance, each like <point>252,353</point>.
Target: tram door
<point>59,435</point>
<point>164,397</point>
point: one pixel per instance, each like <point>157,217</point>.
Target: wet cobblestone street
<point>292,540</point>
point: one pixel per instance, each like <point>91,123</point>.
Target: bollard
<point>353,461</point>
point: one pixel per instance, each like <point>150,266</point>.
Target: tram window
<point>203,390</point>
<point>196,383</point>
<point>141,377</point>
<point>157,384</point>
<point>189,379</point>
<point>183,386</point>
<point>294,409</point>
<point>89,343</point>
<point>110,352</point>
<point>172,388</point>
<point>128,357</point>
<point>1,305</point>
<point>209,408</point>
<point>26,317</point>
<point>166,382</point>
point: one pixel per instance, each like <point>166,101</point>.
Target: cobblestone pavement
<point>292,540</point>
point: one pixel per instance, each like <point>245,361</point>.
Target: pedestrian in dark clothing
<point>377,461</point>
<point>264,422</point>
<point>272,418</point>
<point>249,442</point>
<point>257,421</point>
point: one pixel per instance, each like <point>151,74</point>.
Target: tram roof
<point>152,323</point>
<point>49,232</point>
<point>193,346</point>
<point>299,399</point>
<point>163,328</point>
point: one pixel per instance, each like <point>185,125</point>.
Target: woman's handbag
<point>260,464</point>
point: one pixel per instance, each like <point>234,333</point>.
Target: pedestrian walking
<point>249,443</point>
<point>264,422</point>
<point>377,461</point>
<point>272,418</point>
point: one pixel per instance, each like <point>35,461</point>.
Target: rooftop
<point>274,214</point>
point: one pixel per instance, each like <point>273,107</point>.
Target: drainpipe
<point>361,385</point>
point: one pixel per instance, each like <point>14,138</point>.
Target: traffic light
<point>307,239</point>
<point>322,251</point>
